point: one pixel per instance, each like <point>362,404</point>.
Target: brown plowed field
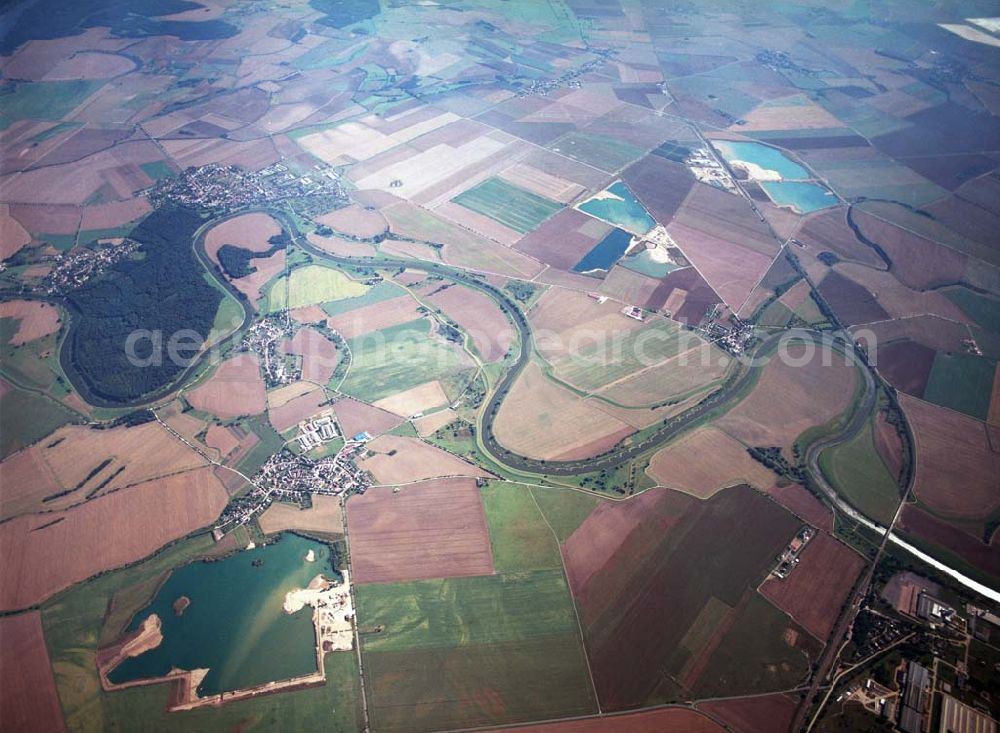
<point>319,355</point>
<point>355,221</point>
<point>888,445</point>
<point>324,516</point>
<point>917,262</point>
<point>542,420</point>
<point>224,440</point>
<point>803,504</point>
<point>249,231</point>
<point>423,397</point>
<point>434,529</point>
<point>115,214</point>
<point>66,458</point>
<point>13,236</point>
<point>685,294</point>
<point>993,418</point>
<point>818,586</point>
<point>705,461</point>
<point>852,303</point>
<point>45,553</point>
<point>829,231</point>
<point>296,410</point>
<point>235,389</point>
<point>375,317</point>
<point>35,319</point>
<point>668,720</point>
<point>29,701</point>
<point>898,300</point>
<point>788,400</point>
<point>730,268</point>
<point>754,714</point>
<point>957,469</point>
<point>267,268</point>
<point>933,332</point>
<point>906,365</point>
<point>564,239</point>
<point>656,571</point>
<point>660,185</point>
<point>399,460</point>
<point>356,417</point>
<point>938,532</point>
<point>479,316</point>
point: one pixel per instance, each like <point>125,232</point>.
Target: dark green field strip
<point>962,382</point>
<point>378,294</point>
<point>476,685</point>
<point>510,205</point>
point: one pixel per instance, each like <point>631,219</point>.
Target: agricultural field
<point>722,461</point>
<point>510,205</point>
<point>543,420</point>
<point>395,459</point>
<point>430,529</point>
<point>311,285</point>
<point>29,699</point>
<point>817,587</point>
<point>235,389</point>
<point>629,564</point>
<point>791,397</point>
<point>397,358</point>
<point>324,518</point>
<point>77,462</point>
<point>860,474</point>
<point>956,464</point>
<point>42,551</point>
<point>506,649</point>
<point>357,174</point>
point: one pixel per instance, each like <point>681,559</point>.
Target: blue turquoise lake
<point>235,624</point>
<point>619,207</point>
<point>763,156</point>
<point>803,197</point>
<point>605,253</point>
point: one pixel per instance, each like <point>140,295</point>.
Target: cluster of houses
<point>295,478</point>
<point>73,268</point>
<point>262,338</point>
<point>216,186</point>
<point>320,429</point>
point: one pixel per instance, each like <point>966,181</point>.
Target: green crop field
<point>478,610</point>
<point>310,285</point>
<point>26,417</point>
<point>34,364</point>
<point>983,310</point>
<point>504,648</point>
<point>376,294</point>
<point>601,151</point>
<point>565,509</point>
<point>510,205</point>
<point>519,534</point>
<point>755,655</point>
<point>397,358</point>
<point>477,685</point>
<point>44,100</point>
<point>962,382</point>
<point>72,622</point>
<point>858,472</point>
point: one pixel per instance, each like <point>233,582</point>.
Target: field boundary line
<point>576,611</point>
